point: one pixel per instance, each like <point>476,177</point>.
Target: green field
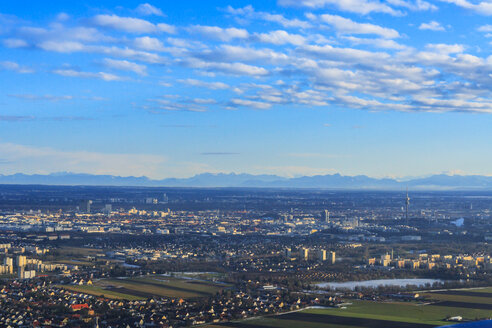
<point>458,298</point>
<point>78,251</point>
<point>470,304</point>
<point>200,275</point>
<point>98,291</point>
<point>73,262</point>
<point>199,287</point>
<point>481,290</point>
<point>149,286</point>
<point>74,255</point>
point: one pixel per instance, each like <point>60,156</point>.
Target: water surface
<point>377,283</point>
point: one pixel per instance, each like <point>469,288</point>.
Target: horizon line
<point>398,179</point>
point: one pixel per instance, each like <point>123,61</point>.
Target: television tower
<point>407,203</point>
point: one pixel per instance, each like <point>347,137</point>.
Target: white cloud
<point>204,101</point>
<point>280,37</point>
<point>59,32</point>
<point>309,97</point>
<point>129,53</point>
<point>50,160</point>
<point>15,43</point>
<point>245,11</point>
<point>343,62</point>
<point>148,43</point>
<point>130,24</point>
<point>249,13</point>
<point>56,37</point>
<point>484,7</point>
<point>227,68</point>
<point>218,33</point>
<point>231,53</point>
<point>345,55</point>
<point>13,66</point>
<point>432,26</point>
<point>287,23</point>
<point>184,43</point>
<point>62,46</point>
<point>43,97</point>
<point>485,28</point>
<point>208,85</point>
<point>347,26</point>
<point>88,75</point>
<point>376,43</point>
<point>446,48</point>
<point>174,103</point>
<point>147,10</point>
<point>418,5</point>
<point>249,103</point>
<point>125,65</point>
<point>127,24</point>
<point>62,17</point>
<point>163,27</point>
<point>354,6</point>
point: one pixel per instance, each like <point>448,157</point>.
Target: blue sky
<point>290,87</point>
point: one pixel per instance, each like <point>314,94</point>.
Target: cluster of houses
<point>431,261</point>
<point>15,262</point>
<point>34,303</point>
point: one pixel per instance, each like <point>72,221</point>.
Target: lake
<point>376,283</point>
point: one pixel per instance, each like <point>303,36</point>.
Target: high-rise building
<point>486,262</point>
<point>321,255</point>
<point>407,204</point>
<point>326,216</point>
<point>21,261</point>
<point>21,272</point>
<point>304,254</point>
<point>332,257</point>
<point>85,206</point>
<point>26,274</point>
<point>108,208</point>
<point>385,259</point>
<point>351,222</point>
<point>8,261</point>
<point>165,199</point>
<point>5,247</point>
<point>8,269</point>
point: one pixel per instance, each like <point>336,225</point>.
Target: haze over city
<point>291,88</point>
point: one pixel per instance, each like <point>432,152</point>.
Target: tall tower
<point>407,203</point>
<point>304,253</point>
<point>333,257</point>
<point>85,206</point>
<point>326,216</point>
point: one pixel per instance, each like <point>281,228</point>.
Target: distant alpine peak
<point>211,180</point>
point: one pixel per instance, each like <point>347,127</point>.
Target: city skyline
<point>292,88</point>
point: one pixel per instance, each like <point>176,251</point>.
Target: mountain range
<point>210,180</point>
